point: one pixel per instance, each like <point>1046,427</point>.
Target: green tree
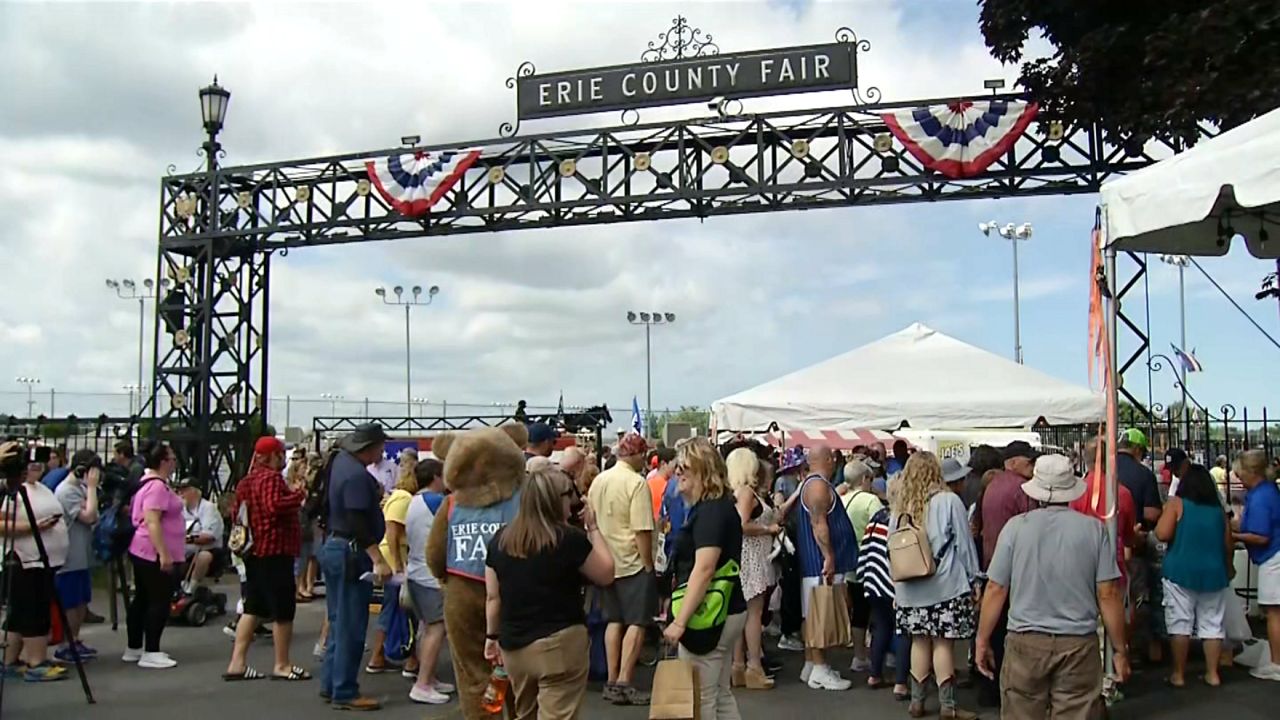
<point>1143,68</point>
<point>698,418</point>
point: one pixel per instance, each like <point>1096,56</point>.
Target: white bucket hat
<point>1054,481</point>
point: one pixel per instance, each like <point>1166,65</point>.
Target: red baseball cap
<point>268,446</point>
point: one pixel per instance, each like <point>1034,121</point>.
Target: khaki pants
<point>1050,676</point>
<point>715,670</point>
<point>549,676</point>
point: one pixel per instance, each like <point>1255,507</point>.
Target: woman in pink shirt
<point>156,512</point>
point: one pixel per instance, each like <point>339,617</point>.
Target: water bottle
<point>495,694</point>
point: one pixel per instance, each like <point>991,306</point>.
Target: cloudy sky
<point>99,99</point>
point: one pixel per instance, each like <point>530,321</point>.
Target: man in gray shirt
<point>78,495</point>
<point>1057,569</point>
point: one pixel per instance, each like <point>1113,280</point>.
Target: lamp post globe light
<point>30,382</point>
<point>333,402</point>
<point>127,289</point>
<point>213,113</point>
<point>1014,234</point>
<point>648,320</point>
<point>409,303</point>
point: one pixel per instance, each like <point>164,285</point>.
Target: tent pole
<point>1113,303</point>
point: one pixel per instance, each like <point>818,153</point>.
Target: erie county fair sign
<point>810,68</point>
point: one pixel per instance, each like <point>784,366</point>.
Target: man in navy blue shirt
<point>350,560</point>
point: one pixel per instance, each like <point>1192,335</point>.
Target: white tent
<point>1178,205</point>
<point>919,376</point>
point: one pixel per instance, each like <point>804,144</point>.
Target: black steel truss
<point>218,228</point>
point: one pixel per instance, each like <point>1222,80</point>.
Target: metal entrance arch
<point>220,228</point>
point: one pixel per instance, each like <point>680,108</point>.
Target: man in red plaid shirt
<point>276,539</point>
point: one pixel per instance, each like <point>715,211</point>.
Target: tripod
<point>11,521</point>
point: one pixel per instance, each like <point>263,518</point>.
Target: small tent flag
<point>1188,360</point>
<point>637,423</point>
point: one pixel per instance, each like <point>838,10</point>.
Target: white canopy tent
<point>1190,203</point>
<point>918,376</point>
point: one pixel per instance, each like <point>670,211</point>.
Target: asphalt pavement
<point>194,689</point>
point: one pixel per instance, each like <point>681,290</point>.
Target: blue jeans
<point>882,634</point>
<point>347,606</point>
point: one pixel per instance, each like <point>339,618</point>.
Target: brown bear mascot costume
<point>484,468</point>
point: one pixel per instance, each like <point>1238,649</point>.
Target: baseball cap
<point>268,445</point>
<point>631,445</point>
<point>1020,448</point>
<point>1133,437</point>
<point>186,482</point>
<point>540,433</point>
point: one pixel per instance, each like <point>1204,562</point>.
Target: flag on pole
<point>1188,360</point>
<point>560,406</point>
<point>637,422</point>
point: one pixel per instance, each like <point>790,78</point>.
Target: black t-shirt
<point>541,594</point>
<point>712,523</point>
<point>1141,483</point>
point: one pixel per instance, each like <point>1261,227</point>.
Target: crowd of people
<point>714,547</point>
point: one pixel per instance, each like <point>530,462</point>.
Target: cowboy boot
<point>918,692</point>
<point>947,698</point>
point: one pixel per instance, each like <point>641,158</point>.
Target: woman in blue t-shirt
<point>1260,533</point>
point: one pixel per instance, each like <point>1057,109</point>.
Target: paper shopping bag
<point>677,694</point>
<point>827,624</point>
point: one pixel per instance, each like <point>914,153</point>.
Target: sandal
<point>296,674</point>
<point>304,598</point>
<point>248,674</point>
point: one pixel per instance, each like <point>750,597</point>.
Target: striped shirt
<point>844,543</point>
<point>873,558</point>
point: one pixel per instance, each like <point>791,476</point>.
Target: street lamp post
<point>127,289</point>
<point>408,303</point>
<point>131,389</point>
<point>1013,234</point>
<point>333,402</point>
<point>422,402</point>
<point>1181,262</point>
<point>30,382</point>
<point>648,320</point>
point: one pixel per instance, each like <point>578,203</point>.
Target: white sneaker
<point>444,687</point>
<point>427,695</point>
<point>790,644</point>
<point>860,665</point>
<point>824,678</point>
<point>131,655</point>
<point>1270,671</point>
<point>806,672</point>
<point>156,661</point>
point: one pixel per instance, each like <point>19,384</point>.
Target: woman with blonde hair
<point>1259,530</point>
<point>759,527</point>
<point>534,576</point>
<point>395,550</point>
<point>708,605</point>
<point>938,609</point>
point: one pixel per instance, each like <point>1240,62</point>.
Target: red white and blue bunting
<point>414,182</point>
<point>961,139</point>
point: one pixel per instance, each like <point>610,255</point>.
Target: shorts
<point>270,591</point>
<point>632,600</point>
<point>859,607</point>
<point>428,603</point>
<point>806,589</point>
<point>1269,581</point>
<point>1194,614</point>
<point>30,599</point>
<point>75,589</point>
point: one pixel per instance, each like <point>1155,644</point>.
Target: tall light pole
<point>648,320</point>
<point>333,402</point>
<point>1013,234</point>
<point>139,389</point>
<point>127,289</point>
<point>408,303</point>
<point>30,382</point>
<point>422,402</point>
<point>1181,262</point>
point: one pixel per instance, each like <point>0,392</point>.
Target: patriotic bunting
<point>961,139</point>
<point>414,182</point>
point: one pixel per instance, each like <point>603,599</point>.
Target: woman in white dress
<point>759,528</point>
